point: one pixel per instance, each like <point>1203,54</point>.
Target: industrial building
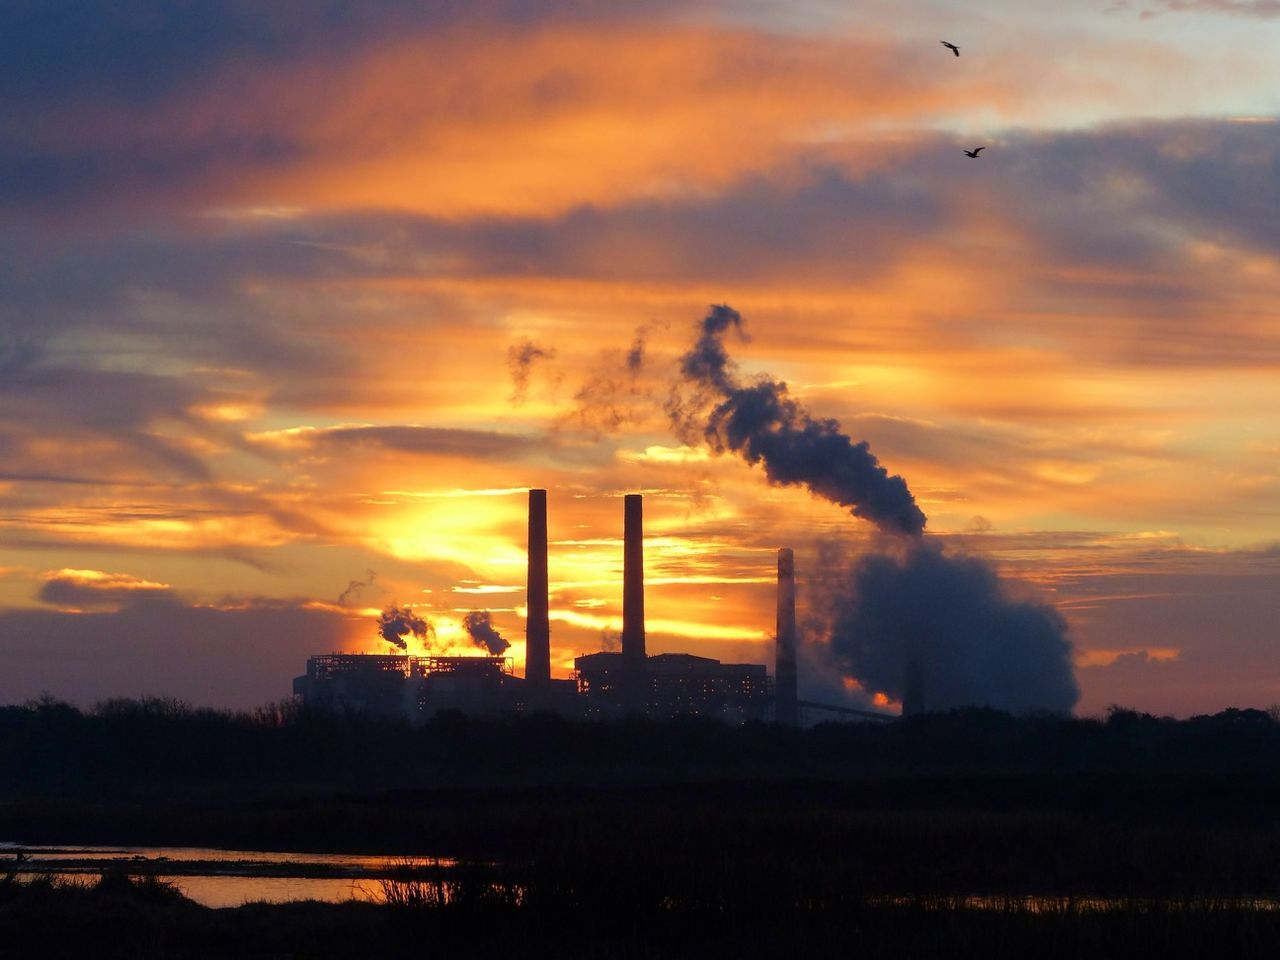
<point>603,684</point>
<point>399,685</point>
<point>672,685</point>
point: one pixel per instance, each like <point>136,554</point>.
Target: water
<point>229,878</point>
<point>232,878</point>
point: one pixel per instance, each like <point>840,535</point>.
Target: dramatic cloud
<point>94,589</point>
<point>145,48</point>
<point>262,264</point>
<point>124,409</point>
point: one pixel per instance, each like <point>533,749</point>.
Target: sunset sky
<point>297,300</point>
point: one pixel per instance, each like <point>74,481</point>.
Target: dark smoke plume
<point>521,357</point>
<point>397,624</point>
<point>949,617</point>
<point>356,587</point>
<point>761,422</point>
<point>479,626</point>
<point>635,353</point>
<point>943,619</point>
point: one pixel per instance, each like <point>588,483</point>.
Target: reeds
<point>427,914</point>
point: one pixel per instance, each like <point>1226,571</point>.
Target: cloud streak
<point>1263,9</point>
<point>262,265</point>
<point>404,438</point>
<point>94,589</point>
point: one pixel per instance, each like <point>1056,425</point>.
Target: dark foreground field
<point>962,835</point>
<point>119,917</point>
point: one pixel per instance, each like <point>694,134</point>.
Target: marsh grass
<point>422,915</point>
<point>974,835</point>
<point>415,883</point>
<point>815,842</point>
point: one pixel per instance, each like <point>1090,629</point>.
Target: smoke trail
<point>945,619</point>
<point>636,352</point>
<point>356,587</point>
<point>397,624</point>
<point>520,359</point>
<point>764,424</point>
<point>479,626</point>
<point>615,395</point>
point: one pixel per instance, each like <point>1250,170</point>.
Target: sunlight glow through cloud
<point>260,302</point>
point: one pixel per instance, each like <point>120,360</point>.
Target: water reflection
<point>229,891</point>
<point>230,878</point>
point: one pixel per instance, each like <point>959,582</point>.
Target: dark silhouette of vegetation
<point>154,745</point>
<point>640,821</point>
<point>119,916</point>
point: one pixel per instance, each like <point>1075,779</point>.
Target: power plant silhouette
<point>605,684</point>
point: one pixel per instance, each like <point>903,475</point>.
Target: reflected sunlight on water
<point>229,878</point>
<point>235,891</point>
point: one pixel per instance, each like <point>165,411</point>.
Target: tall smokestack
<point>786,708</point>
<point>537,656</point>
<point>633,581</point>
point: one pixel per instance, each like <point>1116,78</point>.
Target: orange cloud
<point>74,590</point>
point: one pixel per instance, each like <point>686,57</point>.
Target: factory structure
<point>606,684</point>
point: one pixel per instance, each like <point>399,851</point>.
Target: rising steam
<point>764,424</point>
<point>397,624</point>
<point>945,619</point>
<point>480,629</point>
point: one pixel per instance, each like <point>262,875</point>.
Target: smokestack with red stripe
<point>633,582</point>
<point>786,707</point>
<point>537,656</point>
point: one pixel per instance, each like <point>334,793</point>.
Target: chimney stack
<point>633,581</point>
<point>537,656</point>
<point>786,709</point>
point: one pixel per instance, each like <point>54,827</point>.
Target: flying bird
<point>950,46</point>
<point>974,152</point>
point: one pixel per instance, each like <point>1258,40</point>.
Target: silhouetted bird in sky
<point>974,152</point>
<point>951,46</point>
